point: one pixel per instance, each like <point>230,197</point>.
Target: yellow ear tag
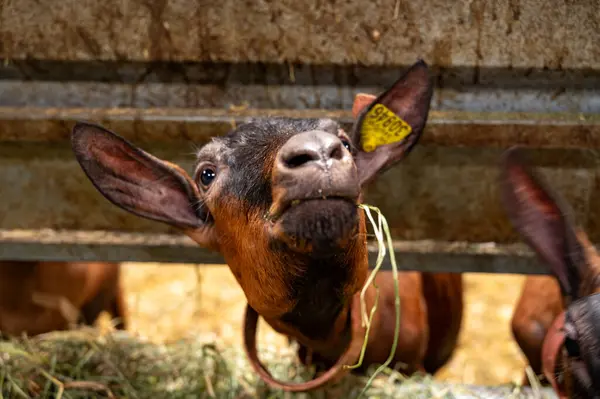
<point>381,126</point>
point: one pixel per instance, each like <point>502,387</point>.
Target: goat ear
<point>543,220</point>
<point>361,101</point>
<point>388,127</point>
<point>135,180</point>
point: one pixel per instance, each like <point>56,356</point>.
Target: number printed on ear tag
<point>381,126</point>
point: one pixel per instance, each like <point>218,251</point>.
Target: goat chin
<point>317,226</point>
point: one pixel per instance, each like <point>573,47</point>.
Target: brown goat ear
<point>135,180</point>
<point>389,126</point>
<point>543,220</point>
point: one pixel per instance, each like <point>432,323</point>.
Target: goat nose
<point>309,148</point>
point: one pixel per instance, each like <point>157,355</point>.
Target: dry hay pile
<point>84,363</point>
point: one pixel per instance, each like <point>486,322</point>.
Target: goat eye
<point>572,347</point>
<point>346,144</point>
<point>207,176</point>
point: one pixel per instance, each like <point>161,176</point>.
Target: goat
<point>556,322</point>
<point>278,199</point>
<point>39,297</point>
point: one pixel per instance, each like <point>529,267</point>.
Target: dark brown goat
<point>39,297</point>
<point>278,199</point>
<point>557,319</point>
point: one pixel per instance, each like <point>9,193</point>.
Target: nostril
<point>298,160</point>
<point>336,152</point>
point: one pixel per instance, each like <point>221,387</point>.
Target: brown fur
<point>89,288</point>
<point>431,308</point>
<point>430,319</point>
<point>265,287</point>
<point>443,294</point>
<point>539,304</point>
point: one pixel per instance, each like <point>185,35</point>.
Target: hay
<point>379,228</point>
<point>85,363</point>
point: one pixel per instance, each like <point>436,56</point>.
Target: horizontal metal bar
<point>430,256</point>
<point>485,33</point>
<point>472,129</point>
<point>18,93</point>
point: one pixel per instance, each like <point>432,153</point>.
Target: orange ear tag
<point>380,127</point>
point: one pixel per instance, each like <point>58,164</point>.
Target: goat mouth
<point>278,210</point>
<point>316,224</point>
